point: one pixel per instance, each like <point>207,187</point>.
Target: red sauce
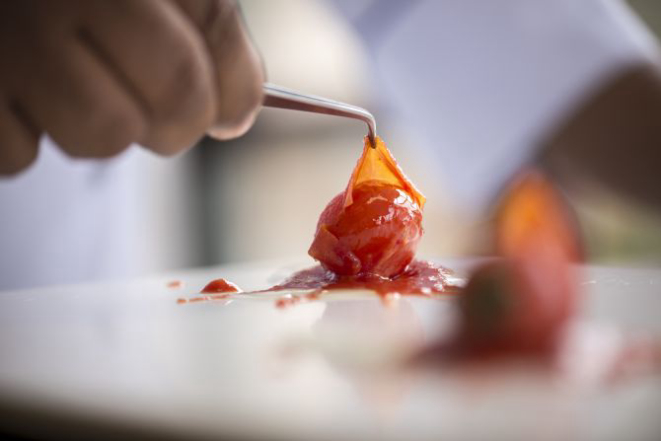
<point>204,298</point>
<point>220,286</point>
<point>419,278</point>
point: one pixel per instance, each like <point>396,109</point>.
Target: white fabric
<point>66,221</point>
<point>481,82</point>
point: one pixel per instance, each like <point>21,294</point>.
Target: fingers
<point>98,75</point>
<point>80,104</point>
<point>238,69</point>
<point>160,59</point>
<point>239,78</point>
<point>18,139</point>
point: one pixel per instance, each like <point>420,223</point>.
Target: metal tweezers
<point>282,98</point>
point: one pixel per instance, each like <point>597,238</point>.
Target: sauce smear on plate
<point>419,278</point>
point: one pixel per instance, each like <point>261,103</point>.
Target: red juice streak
<point>204,298</point>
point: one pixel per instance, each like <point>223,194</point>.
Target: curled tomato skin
<point>377,233</point>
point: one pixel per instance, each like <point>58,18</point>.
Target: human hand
<point>97,75</point>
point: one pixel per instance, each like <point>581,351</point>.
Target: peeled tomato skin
<point>377,233</point>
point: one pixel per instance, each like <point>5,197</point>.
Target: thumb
<point>239,73</point>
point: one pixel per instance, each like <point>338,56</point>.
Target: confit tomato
<point>374,226</point>
<point>377,234</point>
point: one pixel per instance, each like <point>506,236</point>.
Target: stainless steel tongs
<point>280,97</point>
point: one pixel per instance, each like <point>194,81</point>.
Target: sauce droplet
<point>220,286</point>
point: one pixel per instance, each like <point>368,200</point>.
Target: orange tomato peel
<point>377,165</point>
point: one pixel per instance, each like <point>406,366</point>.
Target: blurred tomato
<point>521,301</point>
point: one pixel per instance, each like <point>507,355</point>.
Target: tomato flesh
<point>377,234</point>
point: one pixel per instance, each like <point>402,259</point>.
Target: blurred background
<point>259,197</point>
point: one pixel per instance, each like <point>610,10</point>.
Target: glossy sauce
<point>219,286</point>
<point>419,278</point>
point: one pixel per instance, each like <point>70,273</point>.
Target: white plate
<point>125,360</point>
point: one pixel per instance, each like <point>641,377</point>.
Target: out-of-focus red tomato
<point>521,301</point>
<point>374,226</point>
<point>503,310</point>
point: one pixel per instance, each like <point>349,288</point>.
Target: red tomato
<point>508,306</point>
<point>522,301</point>
<point>377,234</point>
<point>374,226</point>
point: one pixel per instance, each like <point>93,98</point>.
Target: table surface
<point>125,360</point>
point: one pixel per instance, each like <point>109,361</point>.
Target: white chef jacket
<point>65,220</point>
